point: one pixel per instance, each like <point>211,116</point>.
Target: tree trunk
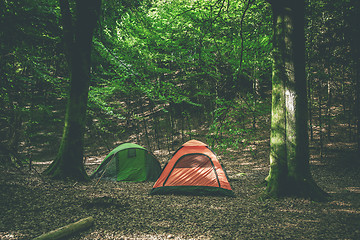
<point>289,144</point>
<point>329,103</point>
<point>321,138</point>
<point>310,109</point>
<point>78,42</point>
<point>355,38</point>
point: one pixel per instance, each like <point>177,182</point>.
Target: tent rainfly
<point>129,162</point>
<point>193,169</point>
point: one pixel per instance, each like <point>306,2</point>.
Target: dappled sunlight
<point>106,234</point>
<point>341,146</point>
<point>290,225</point>
<point>353,189</point>
<point>94,160</point>
<point>199,205</point>
<point>340,204</point>
<point>246,163</point>
<point>292,210</point>
<point>190,217</point>
<point>261,168</point>
<point>342,210</point>
<point>236,175</point>
<point>312,221</point>
<point>11,235</point>
<point>317,163</point>
<point>42,163</point>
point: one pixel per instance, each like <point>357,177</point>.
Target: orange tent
<point>193,169</point>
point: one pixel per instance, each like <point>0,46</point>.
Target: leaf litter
<point>31,205</point>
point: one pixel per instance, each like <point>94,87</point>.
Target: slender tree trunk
<point>321,138</point>
<point>350,116</point>
<point>357,76</point>
<point>156,126</point>
<point>146,132</point>
<point>355,39</point>
<point>78,42</point>
<point>255,91</point>
<point>343,95</point>
<point>358,106</point>
<point>310,110</point>
<point>329,103</point>
<point>289,144</point>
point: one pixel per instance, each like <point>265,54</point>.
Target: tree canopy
<point>167,69</point>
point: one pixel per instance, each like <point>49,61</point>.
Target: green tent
<point>129,162</point>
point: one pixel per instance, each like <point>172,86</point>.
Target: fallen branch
<point>67,230</point>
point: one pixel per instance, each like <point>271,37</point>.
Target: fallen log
<point>67,230</point>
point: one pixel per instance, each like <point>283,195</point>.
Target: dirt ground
<point>31,204</point>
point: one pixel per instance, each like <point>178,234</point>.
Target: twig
<point>155,232</point>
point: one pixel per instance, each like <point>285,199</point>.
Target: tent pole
<point>107,165</point>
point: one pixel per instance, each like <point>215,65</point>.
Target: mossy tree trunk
<point>289,144</point>
<point>78,33</point>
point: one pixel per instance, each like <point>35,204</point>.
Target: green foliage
<point>180,56</point>
<point>162,69</point>
<point>192,43</point>
<point>235,123</point>
<point>31,66</point>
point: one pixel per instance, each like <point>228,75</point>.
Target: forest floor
<point>31,204</point>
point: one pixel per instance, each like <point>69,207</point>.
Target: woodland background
<point>164,72</point>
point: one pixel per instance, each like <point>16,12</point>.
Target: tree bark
<point>289,144</point>
<point>78,42</point>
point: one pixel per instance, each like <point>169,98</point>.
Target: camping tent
<point>193,169</point>
<point>129,162</point>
